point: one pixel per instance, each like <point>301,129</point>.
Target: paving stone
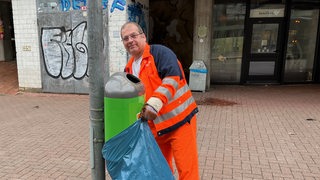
<point>261,133</point>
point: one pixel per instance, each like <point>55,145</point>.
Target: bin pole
<point>96,85</point>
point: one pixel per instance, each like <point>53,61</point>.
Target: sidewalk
<point>9,77</point>
<point>244,132</point>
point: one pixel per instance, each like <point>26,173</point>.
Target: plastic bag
<point>134,154</point>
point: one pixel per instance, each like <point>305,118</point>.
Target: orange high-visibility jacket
<point>163,77</point>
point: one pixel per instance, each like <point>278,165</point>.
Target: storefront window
<point>228,30</point>
<point>301,45</point>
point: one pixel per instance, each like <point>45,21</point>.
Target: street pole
<point>96,85</point>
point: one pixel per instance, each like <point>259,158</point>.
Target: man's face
<point>133,40</point>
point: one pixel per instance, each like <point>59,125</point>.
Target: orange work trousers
<point>181,144</point>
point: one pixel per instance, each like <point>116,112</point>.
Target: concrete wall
<point>63,46</point>
<point>202,34</point>
<point>51,41</point>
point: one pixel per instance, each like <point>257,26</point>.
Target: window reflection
<point>301,45</point>
<point>264,38</point>
<point>226,54</point>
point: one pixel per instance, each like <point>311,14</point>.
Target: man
<point>170,108</point>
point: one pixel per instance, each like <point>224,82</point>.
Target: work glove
<point>150,110</point>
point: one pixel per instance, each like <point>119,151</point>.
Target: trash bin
<point>124,98</point>
<point>198,75</point>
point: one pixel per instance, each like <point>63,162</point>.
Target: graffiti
<point>65,5</point>
<point>118,4</point>
<point>65,53</point>
<point>136,14</point>
<point>80,4</point>
<point>104,4</point>
<point>77,4</point>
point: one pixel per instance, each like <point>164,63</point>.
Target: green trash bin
<point>124,98</point>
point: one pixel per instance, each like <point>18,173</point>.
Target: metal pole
<point>96,93</point>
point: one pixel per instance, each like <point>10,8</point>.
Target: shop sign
<point>259,13</point>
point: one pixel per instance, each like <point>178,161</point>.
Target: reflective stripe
<point>175,111</point>
<point>180,92</point>
<point>164,91</point>
<point>171,82</point>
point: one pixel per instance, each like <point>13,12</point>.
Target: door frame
<point>247,55</point>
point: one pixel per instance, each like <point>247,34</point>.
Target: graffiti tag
<point>136,14</point>
<point>80,4</point>
<point>65,52</point>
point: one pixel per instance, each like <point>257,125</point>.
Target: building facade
<point>240,41</point>
<point>265,41</point>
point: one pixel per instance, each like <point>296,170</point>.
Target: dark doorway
<point>8,65</point>
<point>171,24</point>
<point>8,42</point>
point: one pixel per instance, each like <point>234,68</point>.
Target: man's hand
<point>148,113</point>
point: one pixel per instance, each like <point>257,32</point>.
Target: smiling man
<point>170,108</point>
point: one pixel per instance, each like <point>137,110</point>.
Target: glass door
<point>263,54</point>
<point>301,45</point>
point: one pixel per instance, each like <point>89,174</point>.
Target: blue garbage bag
<point>134,154</point>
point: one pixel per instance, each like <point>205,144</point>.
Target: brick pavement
<point>8,77</point>
<point>244,132</point>
<point>264,136</point>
